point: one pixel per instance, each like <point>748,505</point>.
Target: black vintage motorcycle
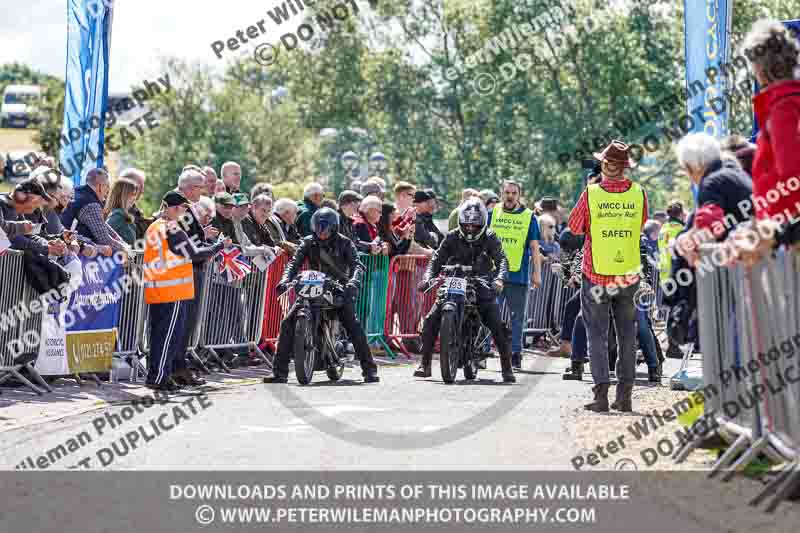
<point>317,341</point>
<point>462,335</point>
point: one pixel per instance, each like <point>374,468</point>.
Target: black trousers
<point>490,317</point>
<point>192,320</point>
<point>350,323</point>
<point>167,323</point>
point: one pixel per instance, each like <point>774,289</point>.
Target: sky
<point>34,32</point>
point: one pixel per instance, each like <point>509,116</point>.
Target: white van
<point>20,105</point>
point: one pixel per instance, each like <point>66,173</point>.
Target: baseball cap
<point>371,187</point>
<point>32,186</point>
<point>349,196</point>
<point>548,203</point>
<point>174,198</point>
<point>424,196</point>
<point>224,198</point>
<point>240,199</point>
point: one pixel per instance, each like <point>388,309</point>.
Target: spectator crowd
<point>608,249</point>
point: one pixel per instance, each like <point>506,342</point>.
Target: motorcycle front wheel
<point>449,347</point>
<point>304,350</point>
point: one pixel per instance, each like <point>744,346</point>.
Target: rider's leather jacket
<point>346,269</point>
<point>485,255</point>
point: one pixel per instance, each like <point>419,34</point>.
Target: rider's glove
<point>351,290</point>
<point>423,286</point>
<point>281,287</point>
<point>498,286</point>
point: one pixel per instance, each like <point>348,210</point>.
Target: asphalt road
<point>401,423</point>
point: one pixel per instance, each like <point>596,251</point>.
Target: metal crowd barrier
<point>371,301</point>
<point>131,328</point>
<point>18,295</point>
<point>545,306</point>
<point>231,314</point>
<point>750,333</point>
<point>405,307</point>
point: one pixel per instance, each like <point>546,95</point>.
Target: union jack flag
<point>234,266</point>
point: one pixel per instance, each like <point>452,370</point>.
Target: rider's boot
<point>424,368</point>
<point>505,366</point>
<point>574,372</point>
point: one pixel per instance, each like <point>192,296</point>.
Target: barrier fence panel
<point>544,305</point>
<point>371,300</point>
<point>229,309</point>
<point>130,331</point>
<point>275,308</point>
<point>749,327</point>
<point>19,324</point>
<point>405,306</point>
<point>770,294</point>
<point>195,328</point>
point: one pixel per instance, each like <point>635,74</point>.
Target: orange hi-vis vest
<point>168,277</point>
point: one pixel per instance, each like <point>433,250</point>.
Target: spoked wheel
<point>335,371</point>
<point>470,369</point>
<point>305,350</point>
<point>449,347</point>
<point>470,361</point>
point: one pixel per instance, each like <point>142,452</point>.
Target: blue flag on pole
<point>86,91</point>
<point>707,30</point>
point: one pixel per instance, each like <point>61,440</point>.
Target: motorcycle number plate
<point>312,277</point>
<point>456,286</point>
<point>310,290</point>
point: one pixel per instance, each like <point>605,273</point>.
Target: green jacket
<point>122,222</point>
<point>305,210</point>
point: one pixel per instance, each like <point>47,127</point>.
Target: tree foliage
<point>383,73</point>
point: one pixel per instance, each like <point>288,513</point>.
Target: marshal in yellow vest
<point>669,231</point>
<point>512,229</point>
<point>616,222</point>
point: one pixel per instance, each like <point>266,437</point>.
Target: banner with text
<point>79,334</point>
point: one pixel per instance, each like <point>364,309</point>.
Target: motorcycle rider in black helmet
<point>471,244</point>
<point>334,254</point>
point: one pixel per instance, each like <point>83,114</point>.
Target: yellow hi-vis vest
<point>668,232</point>
<point>512,229</point>
<point>616,221</point>
<point>167,277</point>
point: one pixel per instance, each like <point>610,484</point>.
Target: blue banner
<point>86,90</point>
<point>706,47</point>
<point>791,24</point>
<point>79,334</point>
<point>706,34</point>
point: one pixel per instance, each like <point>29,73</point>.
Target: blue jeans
<point>571,312</point>
<point>578,338</point>
<point>646,340</point>
<point>515,295</point>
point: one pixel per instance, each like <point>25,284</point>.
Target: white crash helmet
<point>472,213</point>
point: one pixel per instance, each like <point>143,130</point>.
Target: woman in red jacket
<point>773,54</point>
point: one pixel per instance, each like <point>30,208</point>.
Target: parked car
<point>15,168</point>
<point>20,106</point>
